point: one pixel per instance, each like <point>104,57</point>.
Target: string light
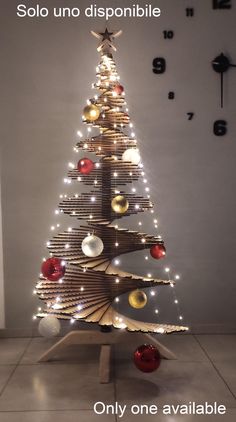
<point>103,80</point>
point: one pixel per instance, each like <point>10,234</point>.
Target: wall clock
<point>212,60</point>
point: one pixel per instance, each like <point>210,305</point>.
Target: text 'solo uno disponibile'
<point>92,11</point>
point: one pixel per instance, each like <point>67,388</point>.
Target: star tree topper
<point>107,39</point>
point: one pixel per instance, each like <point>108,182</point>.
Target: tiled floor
<point>67,388</point>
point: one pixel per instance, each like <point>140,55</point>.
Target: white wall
<point>2,307</point>
<point>48,66</point>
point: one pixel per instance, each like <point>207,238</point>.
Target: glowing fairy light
<point>113,108</point>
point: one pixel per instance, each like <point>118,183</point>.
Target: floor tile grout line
<point>16,366</point>
<point>49,410</point>
<point>7,381</point>
<point>25,350</point>
<point>215,367</point>
<point>115,389</point>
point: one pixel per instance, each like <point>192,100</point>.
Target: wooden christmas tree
<point>80,280</point>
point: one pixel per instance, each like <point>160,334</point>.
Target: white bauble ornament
<point>132,155</point>
<point>92,246</point>
<point>49,326</point>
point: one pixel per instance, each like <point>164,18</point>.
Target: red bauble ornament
<point>147,358</point>
<point>53,269</point>
<point>118,89</point>
<point>85,165</point>
<point>158,251</point>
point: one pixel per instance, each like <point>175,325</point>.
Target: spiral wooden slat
<point>90,285</point>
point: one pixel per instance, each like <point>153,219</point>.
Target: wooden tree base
<point>106,340</point>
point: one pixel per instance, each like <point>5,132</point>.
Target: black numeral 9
<point>159,65</point>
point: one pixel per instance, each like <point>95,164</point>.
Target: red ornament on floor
<point>118,89</point>
<point>85,165</point>
<point>147,358</point>
<point>53,269</point>
<point>158,251</point>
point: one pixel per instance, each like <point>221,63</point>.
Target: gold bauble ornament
<point>137,299</point>
<point>119,204</point>
<point>91,112</point>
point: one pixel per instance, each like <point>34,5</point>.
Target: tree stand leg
<point>106,340</point>
<point>105,364</point>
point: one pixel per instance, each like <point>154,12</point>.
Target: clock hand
<point>222,89</point>
<point>221,64</point>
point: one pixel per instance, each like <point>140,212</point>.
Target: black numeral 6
<point>220,128</point>
<point>159,65</point>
